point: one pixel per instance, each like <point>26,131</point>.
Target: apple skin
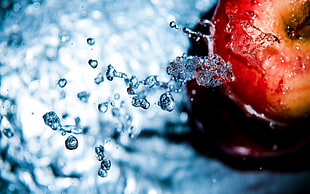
<point>271,66</point>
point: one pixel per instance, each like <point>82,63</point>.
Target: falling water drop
<point>99,150</point>
<point>62,82</point>
<point>93,63</point>
<point>52,120</point>
<point>99,79</point>
<point>102,173</point>
<point>166,102</point>
<point>103,107</point>
<point>71,143</point>
<point>106,164</point>
<point>8,132</point>
<point>83,96</point>
<point>90,41</point>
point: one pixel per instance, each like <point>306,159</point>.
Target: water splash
<point>59,44</point>
<point>209,71</point>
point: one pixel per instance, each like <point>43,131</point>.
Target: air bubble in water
<point>93,63</point>
<point>52,120</point>
<point>83,96</point>
<point>71,143</point>
<point>8,132</point>
<point>106,164</point>
<point>62,82</point>
<point>166,102</point>
<point>102,173</point>
<point>90,41</point>
<point>103,107</point>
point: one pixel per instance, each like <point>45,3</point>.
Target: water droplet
<point>249,14</point>
<point>103,107</point>
<point>8,132</point>
<point>90,41</point>
<point>228,28</point>
<point>133,85</point>
<point>75,129</point>
<point>71,143</point>
<point>52,120</point>
<point>116,112</point>
<point>99,149</point>
<point>93,63</point>
<point>62,82</point>
<point>83,96</point>
<point>111,73</point>
<point>174,25</point>
<point>99,79</point>
<point>64,38</point>
<point>102,173</point>
<point>100,152</point>
<point>116,96</point>
<point>140,102</point>
<point>151,81</point>
<point>106,164</point>
<point>166,102</point>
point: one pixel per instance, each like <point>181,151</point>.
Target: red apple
<point>268,45</point>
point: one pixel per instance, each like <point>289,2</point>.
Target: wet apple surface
<point>225,130</point>
<point>267,45</point>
